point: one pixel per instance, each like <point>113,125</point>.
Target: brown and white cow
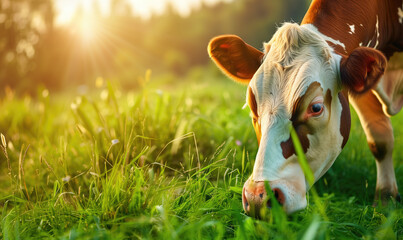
<point>305,77</point>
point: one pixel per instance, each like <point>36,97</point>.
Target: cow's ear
<point>362,69</point>
<point>234,57</point>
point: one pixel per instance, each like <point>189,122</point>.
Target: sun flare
<point>86,29</point>
<point>66,9</point>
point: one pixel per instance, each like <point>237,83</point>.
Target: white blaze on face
<point>269,159</point>
<point>273,119</point>
<point>277,85</point>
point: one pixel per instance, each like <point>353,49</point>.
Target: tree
<point>21,23</point>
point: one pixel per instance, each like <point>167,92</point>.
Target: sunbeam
<point>87,30</point>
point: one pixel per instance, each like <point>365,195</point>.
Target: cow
<point>305,77</point>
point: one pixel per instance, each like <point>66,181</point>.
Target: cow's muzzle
<point>254,197</point>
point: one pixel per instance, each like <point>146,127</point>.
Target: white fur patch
<point>377,32</point>
<point>326,38</point>
<point>352,28</point>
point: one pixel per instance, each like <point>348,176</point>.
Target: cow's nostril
<point>279,195</point>
<point>246,206</point>
<point>245,202</point>
<point>268,204</point>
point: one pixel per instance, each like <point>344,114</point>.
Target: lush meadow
<point>167,161</point>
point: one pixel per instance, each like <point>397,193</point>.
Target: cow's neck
<point>348,24</point>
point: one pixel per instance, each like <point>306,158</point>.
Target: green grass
<point>167,161</point>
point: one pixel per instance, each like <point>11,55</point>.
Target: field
<point>166,161</point>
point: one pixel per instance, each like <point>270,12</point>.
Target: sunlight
<point>66,9</point>
<point>98,33</point>
<point>86,29</point>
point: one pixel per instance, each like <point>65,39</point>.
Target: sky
<point>145,8</point>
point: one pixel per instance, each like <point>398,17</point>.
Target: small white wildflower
<point>159,208</point>
<point>100,129</point>
<point>66,178</point>
<point>159,92</point>
<point>115,141</point>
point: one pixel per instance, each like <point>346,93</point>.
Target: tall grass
<point>164,162</point>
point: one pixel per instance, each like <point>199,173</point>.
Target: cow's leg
<point>390,91</point>
<point>379,132</point>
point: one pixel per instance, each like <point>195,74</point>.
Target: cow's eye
<point>316,108</point>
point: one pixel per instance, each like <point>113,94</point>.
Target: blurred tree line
<point>35,52</point>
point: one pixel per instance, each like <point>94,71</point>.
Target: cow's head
<point>298,80</point>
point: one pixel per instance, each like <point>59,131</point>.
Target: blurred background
<point>65,44</point>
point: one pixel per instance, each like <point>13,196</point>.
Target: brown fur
<point>328,101</point>
<point>300,124</point>
<point>378,149</point>
<point>252,103</point>
<point>377,25</point>
<point>345,119</point>
<point>288,146</point>
<point>234,57</point>
<point>253,107</point>
<point>362,69</point>
<point>332,16</point>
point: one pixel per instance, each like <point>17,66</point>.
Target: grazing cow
<point>305,77</point>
